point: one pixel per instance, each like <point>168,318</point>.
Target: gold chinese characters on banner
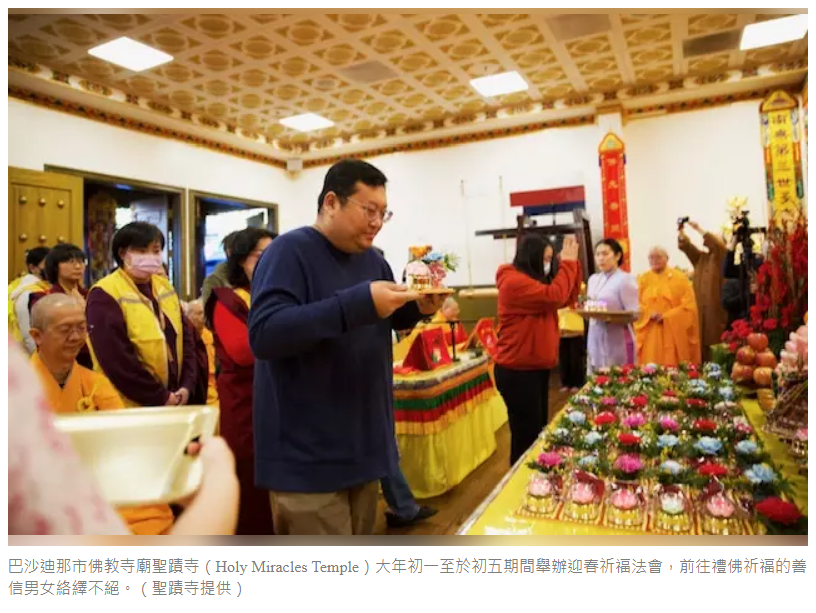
<point>781,142</point>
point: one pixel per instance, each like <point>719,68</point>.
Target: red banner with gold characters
<point>612,160</point>
<point>781,140</point>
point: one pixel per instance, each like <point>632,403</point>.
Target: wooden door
<point>45,209</point>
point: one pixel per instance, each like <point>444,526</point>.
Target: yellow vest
<point>144,326</point>
<point>15,289</point>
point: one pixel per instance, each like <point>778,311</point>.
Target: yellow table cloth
<point>496,515</point>
<point>446,422</point>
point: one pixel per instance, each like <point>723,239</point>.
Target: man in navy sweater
<point>324,304</point>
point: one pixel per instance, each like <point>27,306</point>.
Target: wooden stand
<point>579,227</point>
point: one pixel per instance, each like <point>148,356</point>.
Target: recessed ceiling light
<point>774,32</point>
<point>499,84</point>
<point>307,122</point>
<point>130,54</point>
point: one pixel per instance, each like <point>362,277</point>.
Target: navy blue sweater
<point>323,405</point>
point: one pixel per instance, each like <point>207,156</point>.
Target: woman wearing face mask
<point>138,337</point>
<point>611,344</point>
<point>528,341</point>
<point>228,309</point>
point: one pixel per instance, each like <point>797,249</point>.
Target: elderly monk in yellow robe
<point>59,331</point>
<point>667,332</point>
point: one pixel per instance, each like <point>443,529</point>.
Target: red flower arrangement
<point>624,381</point>
<point>782,284</point>
<point>696,403</point>
<point>605,419</point>
<point>670,394</point>
<point>712,469</point>
<point>639,401</point>
<point>779,511</point>
<point>602,380</point>
<point>628,440</point>
<point>705,425</point>
<point>627,370</point>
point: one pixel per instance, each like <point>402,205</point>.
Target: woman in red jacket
<point>529,338</point>
<point>227,309</point>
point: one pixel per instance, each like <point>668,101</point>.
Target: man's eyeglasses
<point>374,212</point>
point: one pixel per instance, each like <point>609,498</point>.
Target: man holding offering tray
<point>324,304</point>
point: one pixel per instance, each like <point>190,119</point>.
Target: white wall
<point>38,136</point>
<point>691,164</point>
<point>425,191</point>
<point>683,164</point>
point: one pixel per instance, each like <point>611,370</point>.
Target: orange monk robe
<point>85,390</point>
<point>676,338</point>
<point>212,390</point>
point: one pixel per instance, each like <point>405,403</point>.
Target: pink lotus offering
<point>635,420</point>
<point>624,499</point>
<point>550,459</point>
<point>670,424</point>
<point>540,487</point>
<point>628,463</point>
<point>719,506</point>
<point>583,493</point>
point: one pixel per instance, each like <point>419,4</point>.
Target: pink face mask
<point>145,263</point>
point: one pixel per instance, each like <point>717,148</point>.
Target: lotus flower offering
<point>672,512</point>
<point>626,505</point>
<point>543,494</point>
<point>670,453</point>
<point>584,497</point>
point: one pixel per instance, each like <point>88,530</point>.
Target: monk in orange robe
<point>59,330</point>
<point>667,332</point>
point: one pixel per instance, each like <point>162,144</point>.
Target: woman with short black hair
<point>64,270</point>
<point>227,310</point>
<point>139,338</point>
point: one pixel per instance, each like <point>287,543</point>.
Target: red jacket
<point>528,315</point>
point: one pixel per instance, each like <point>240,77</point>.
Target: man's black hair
<point>343,177</point>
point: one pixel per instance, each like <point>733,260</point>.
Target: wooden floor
<point>456,506</point>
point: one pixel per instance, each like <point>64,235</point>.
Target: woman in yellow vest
<point>138,338</point>
<point>19,292</point>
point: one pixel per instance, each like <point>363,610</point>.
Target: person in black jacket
<point>733,292</point>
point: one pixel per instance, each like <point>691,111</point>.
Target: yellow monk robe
<point>85,390</point>
<point>676,338</point>
<point>212,390</point>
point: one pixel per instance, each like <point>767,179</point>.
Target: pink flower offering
<point>608,401</point>
<point>550,459</point>
<point>743,427</point>
<point>624,499</point>
<point>540,487</point>
<point>583,493</point>
<point>635,420</point>
<point>801,435</point>
<point>667,423</point>
<point>719,506</point>
<point>628,463</point>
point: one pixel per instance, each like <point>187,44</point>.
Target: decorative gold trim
<point>87,112</point>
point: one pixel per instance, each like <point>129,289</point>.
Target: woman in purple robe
<point>611,344</point>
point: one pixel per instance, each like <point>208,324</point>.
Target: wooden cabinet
<point>44,209</point>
